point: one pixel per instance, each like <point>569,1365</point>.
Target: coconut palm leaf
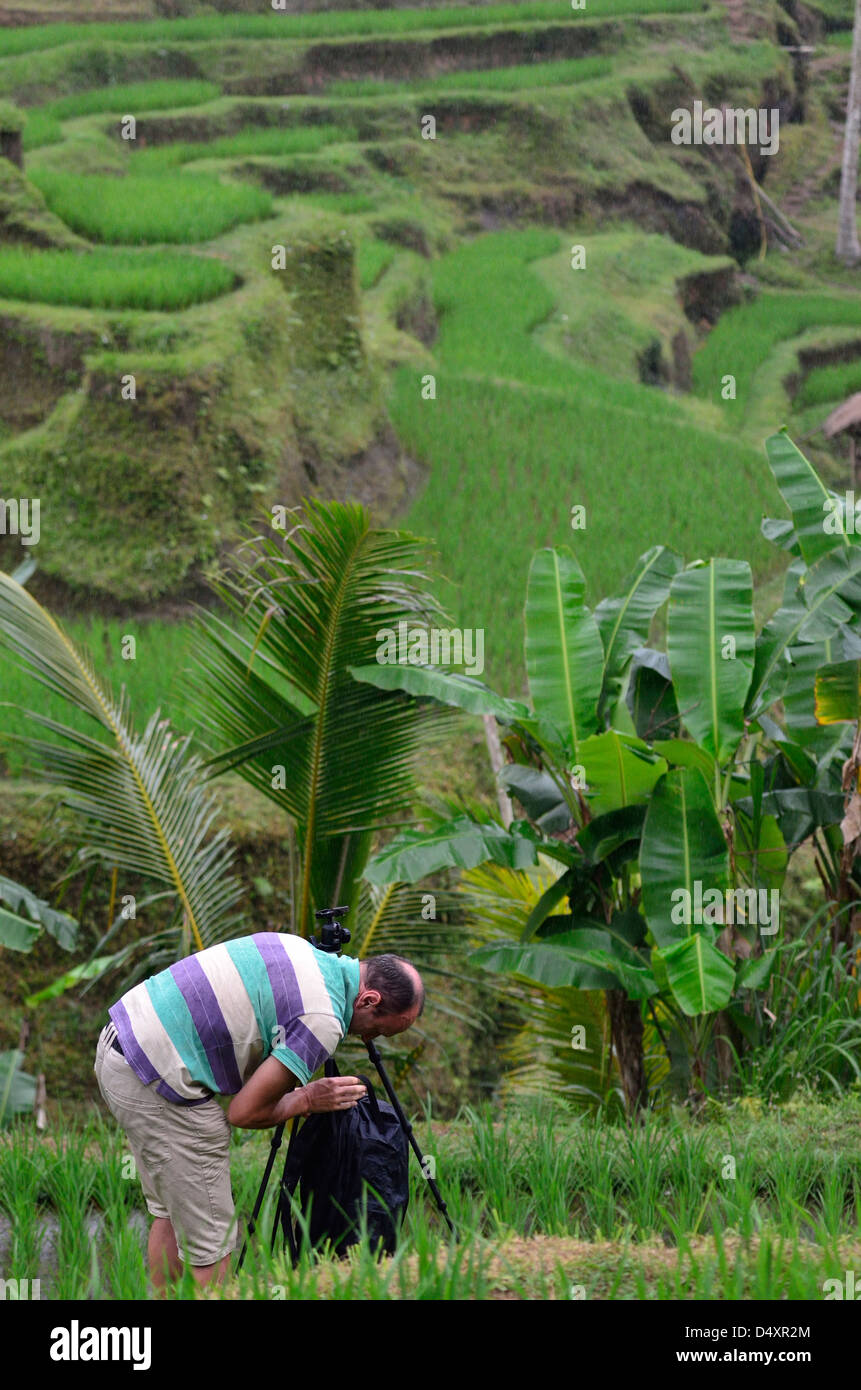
<point>140,800</point>
<point>544,1055</point>
<point>277,700</point>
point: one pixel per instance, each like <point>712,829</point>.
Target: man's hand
<point>333,1093</point>
<point>272,1095</point>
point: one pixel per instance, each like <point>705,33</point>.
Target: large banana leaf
<point>17,1089</point>
<point>139,799</point>
<point>710,642</point>
<point>700,976</point>
<point>277,694</point>
<point>837,693</point>
<point>462,843</point>
<point>446,687</point>
<point>564,652</point>
<point>19,932</point>
<point>620,771</point>
<point>807,498</point>
<point>683,845</point>
<point>624,621</point>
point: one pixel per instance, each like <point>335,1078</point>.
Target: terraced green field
<point>553,385</point>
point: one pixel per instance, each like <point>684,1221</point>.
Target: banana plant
<point>815,633</point>
<point>643,775</point>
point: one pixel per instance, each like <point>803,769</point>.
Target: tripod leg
<point>283,1212</point>
<point>274,1146</point>
<point>408,1130</point>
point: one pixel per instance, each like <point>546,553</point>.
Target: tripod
<point>333,935</point>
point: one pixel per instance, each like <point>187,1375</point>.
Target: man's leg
<point>182,1160</point>
<point>164,1262</point>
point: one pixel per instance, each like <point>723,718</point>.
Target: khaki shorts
<point>182,1156</point>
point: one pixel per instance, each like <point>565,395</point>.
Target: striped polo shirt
<point>205,1024</point>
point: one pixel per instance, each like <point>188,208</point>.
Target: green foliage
<point>139,799</point>
<point>28,916</point>
<point>811,1037</point>
<point>108,279</point>
<point>276,691</point>
<point>137,211</point>
<point>373,259</point>
<point>11,117</point>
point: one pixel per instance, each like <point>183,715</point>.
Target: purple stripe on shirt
<point>170,1094</point>
<point>210,1023</point>
<point>305,1044</point>
<point>133,1053</point>
<point>282,977</point>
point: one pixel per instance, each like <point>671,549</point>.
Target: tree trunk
<point>847,247</point>
<point>626,1029</point>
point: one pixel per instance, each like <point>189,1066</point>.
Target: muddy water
<point>49,1228</point>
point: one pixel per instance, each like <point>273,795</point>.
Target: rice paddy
<point>108,279</point>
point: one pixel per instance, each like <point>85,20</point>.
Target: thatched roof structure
<point>846,417</point>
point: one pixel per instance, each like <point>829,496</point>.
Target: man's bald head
<point>391,997</point>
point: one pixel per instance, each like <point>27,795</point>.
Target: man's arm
<point>273,1095</point>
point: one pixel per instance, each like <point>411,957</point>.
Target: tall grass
<point>814,1039</point>
<point>332,24</point>
<point>135,211</point>
<point>519,78</point>
<point>107,279</point>
<point>743,338</point>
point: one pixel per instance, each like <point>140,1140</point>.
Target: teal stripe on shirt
<point>175,1016</point>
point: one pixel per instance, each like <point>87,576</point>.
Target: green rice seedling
<point>521,77</point>
<point>135,211</point>
<point>132,98</point>
<point>108,279</point>
<point>827,385</point>
<point>249,142</point>
<point>497,1155</point>
<point>743,338</point>
<point>327,24</point>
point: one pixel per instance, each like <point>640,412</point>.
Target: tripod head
<point>333,934</point>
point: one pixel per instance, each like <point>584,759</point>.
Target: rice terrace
<point>430,615</point>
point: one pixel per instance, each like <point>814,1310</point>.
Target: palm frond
<point>542,1055</point>
<point>140,800</point>
<point>275,692</point>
